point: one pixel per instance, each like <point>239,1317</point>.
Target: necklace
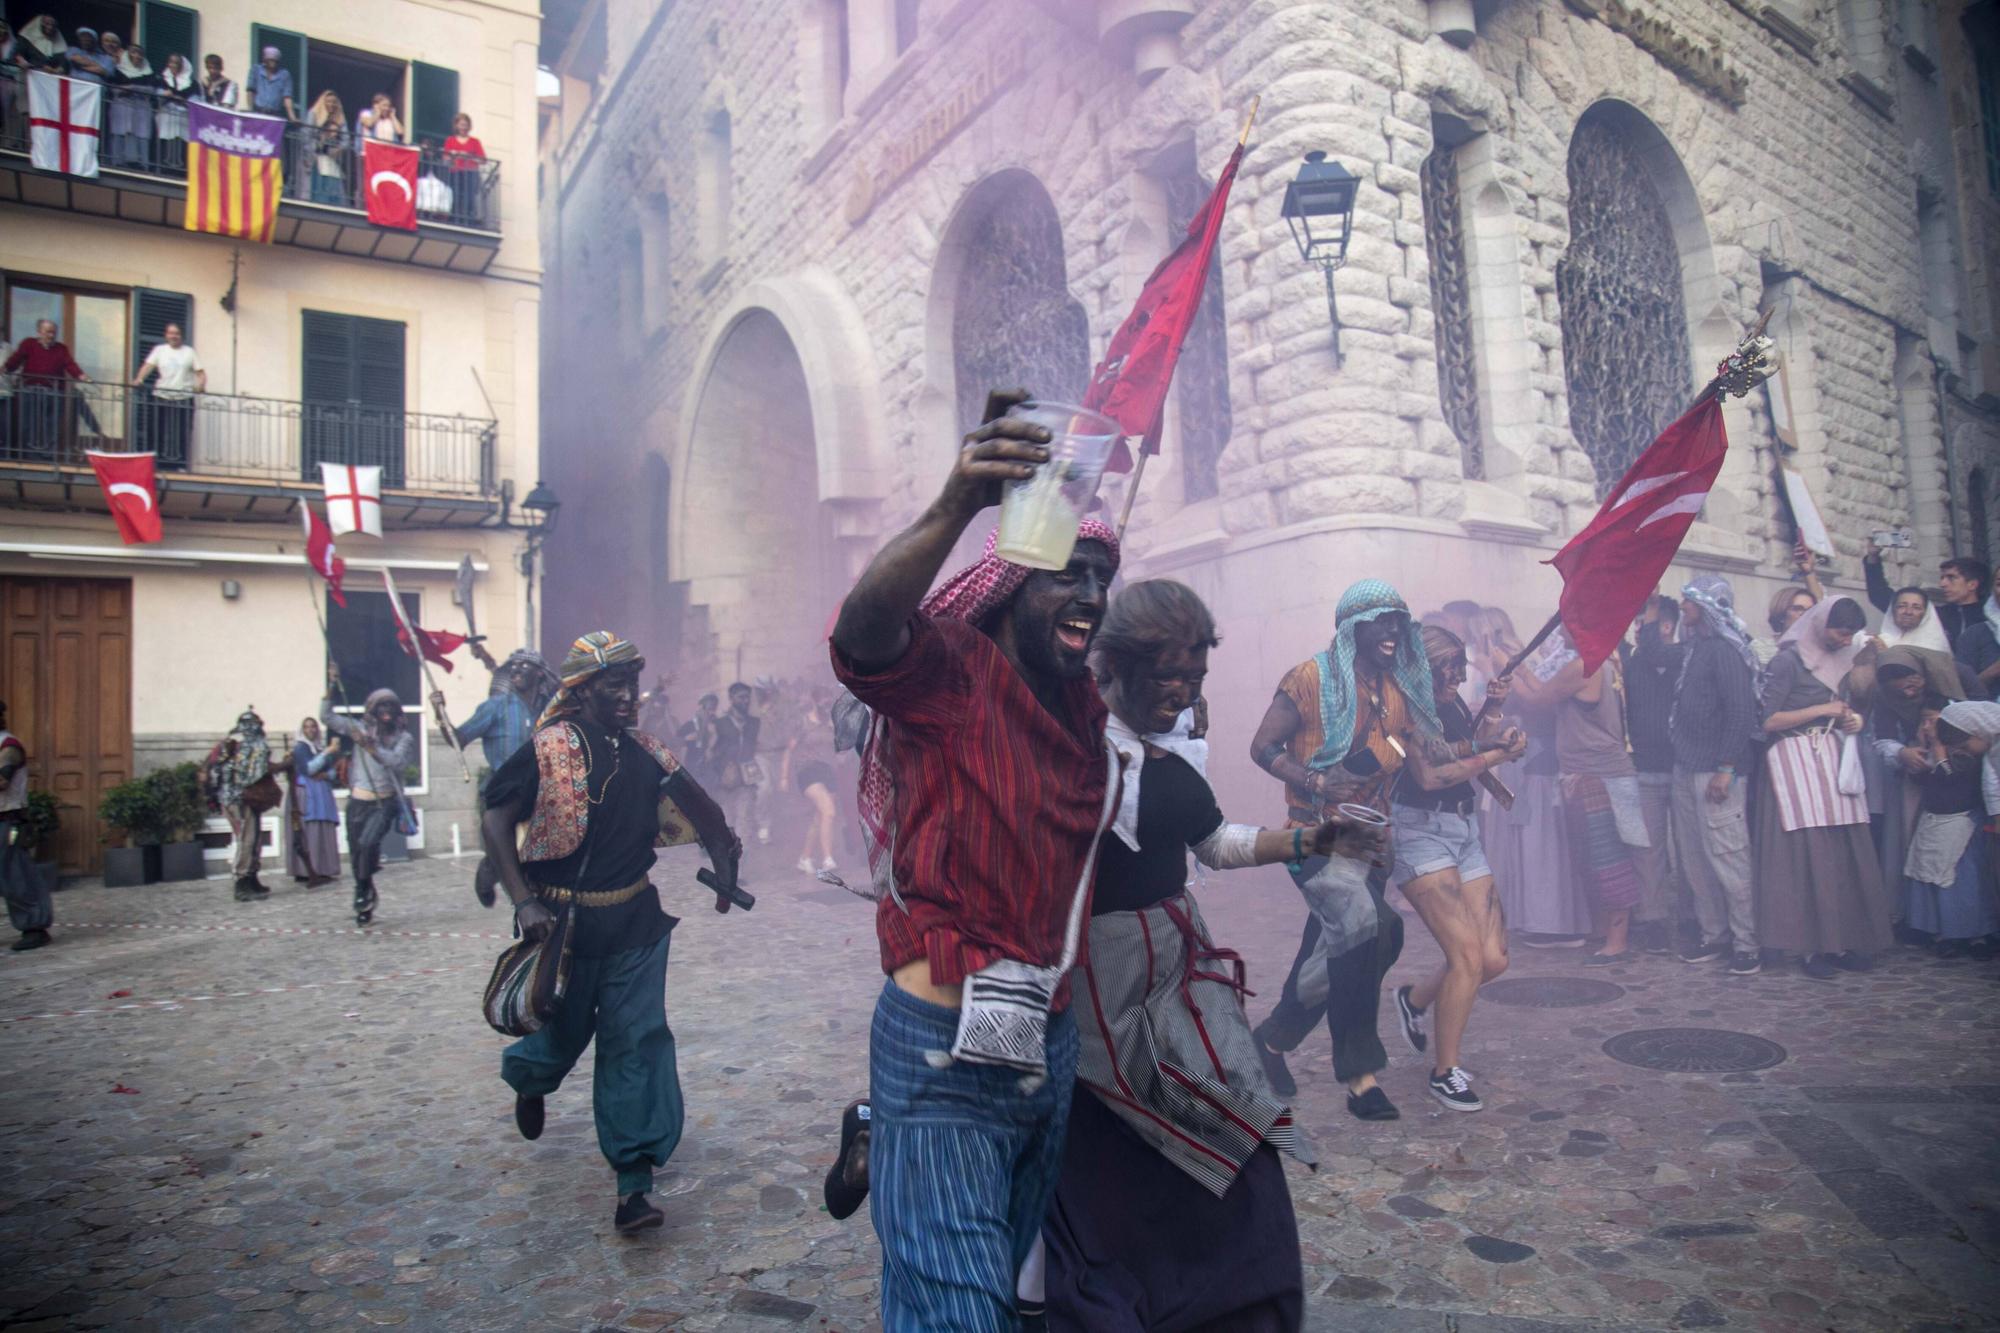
<point>590,762</point>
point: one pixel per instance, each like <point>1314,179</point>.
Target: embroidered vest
<point>562,807</point>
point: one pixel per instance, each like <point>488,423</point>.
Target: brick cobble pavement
<point>255,1116</point>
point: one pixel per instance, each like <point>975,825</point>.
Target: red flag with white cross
<point>320,554</point>
<point>353,497</point>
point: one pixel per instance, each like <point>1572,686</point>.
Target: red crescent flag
<point>127,480</point>
<point>438,643</point>
<point>1612,566</point>
<point>320,554</point>
<point>1130,384</point>
<point>390,170</point>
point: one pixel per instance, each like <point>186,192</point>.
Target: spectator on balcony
<point>44,364</point>
<point>170,113</point>
<point>86,59</point>
<point>271,87</point>
<point>465,157</point>
<point>433,195</point>
<point>171,412</point>
<point>329,149</point>
<point>217,88</point>
<point>128,116</point>
<point>379,121</point>
<point>41,46</point>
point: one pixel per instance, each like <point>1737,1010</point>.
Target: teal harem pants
<point>636,1092</point>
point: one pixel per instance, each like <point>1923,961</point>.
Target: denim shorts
<point>1428,841</point>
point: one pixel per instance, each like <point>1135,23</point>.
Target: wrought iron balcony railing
<point>144,132</point>
<point>232,436</point>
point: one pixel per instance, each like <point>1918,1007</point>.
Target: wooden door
<point>66,676</point>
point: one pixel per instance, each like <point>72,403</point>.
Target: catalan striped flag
<point>235,171</point>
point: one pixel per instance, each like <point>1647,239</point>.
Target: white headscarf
<point>1977,718</point>
<point>134,69</point>
<point>49,47</point>
<point>184,81</point>
<point>1929,632</point>
<point>1829,666</point>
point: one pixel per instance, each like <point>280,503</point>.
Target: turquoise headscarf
<point>1367,600</point>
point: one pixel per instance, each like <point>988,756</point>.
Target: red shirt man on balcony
<point>42,360</point>
<point>42,363</point>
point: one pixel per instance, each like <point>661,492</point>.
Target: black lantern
<point>1319,208</point>
<point>540,507</point>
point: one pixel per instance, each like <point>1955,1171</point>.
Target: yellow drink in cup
<point>1039,516</point>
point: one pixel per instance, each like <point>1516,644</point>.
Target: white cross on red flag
<point>320,553</point>
<point>353,497</point>
<point>63,119</point>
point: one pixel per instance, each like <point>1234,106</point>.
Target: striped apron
<point>1805,782</point>
<point>1165,1043</point>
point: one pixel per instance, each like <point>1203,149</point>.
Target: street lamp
<point>1319,208</point>
<point>539,508</point>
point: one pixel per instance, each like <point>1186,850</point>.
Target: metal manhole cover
<point>1551,992</point>
<point>1694,1050</point>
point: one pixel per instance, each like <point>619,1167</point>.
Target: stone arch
<point>1635,284</point>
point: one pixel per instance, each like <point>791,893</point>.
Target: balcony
<point>143,179</point>
<point>238,458</point>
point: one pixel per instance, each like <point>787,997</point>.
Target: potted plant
<point>37,832</point>
<point>133,808</point>
<point>181,811</point>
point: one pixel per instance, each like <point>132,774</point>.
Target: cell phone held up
<point>1891,539</point>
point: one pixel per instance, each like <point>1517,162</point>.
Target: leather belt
<point>597,898</point>
<point>1463,809</point>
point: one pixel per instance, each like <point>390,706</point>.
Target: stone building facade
<point>789,245</point>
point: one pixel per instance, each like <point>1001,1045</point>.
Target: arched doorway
<point>1622,289</point>
<point>756,554</point>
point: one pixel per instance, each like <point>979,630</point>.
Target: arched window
<point>1013,321</point>
<point>1201,379</point>
<point>1624,310</point>
<point>717,185</point>
<point>1451,306</point>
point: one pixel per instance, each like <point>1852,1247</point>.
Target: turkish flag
<point>438,644</point>
<point>1130,385</point>
<point>1613,565</point>
<point>127,480</point>
<point>320,554</point>
<point>390,170</point>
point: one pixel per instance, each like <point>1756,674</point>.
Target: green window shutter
<point>291,55</point>
<point>326,368</point>
<point>166,30</point>
<point>351,378</point>
<point>433,100</point>
<point>153,310</point>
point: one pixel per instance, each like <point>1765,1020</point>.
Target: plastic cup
<point>1039,515</point>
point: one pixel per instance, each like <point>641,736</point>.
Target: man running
<point>589,787</point>
<point>988,780</point>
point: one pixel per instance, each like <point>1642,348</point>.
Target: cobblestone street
<point>220,1115</point>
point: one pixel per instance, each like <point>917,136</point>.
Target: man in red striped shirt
<point>994,739</point>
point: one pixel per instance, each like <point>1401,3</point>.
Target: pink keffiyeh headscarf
<point>970,595</point>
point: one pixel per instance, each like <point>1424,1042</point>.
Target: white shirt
<point>177,367</point>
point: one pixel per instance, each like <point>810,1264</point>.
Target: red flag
<point>390,169</point>
<point>320,554</point>
<point>438,643</point>
<point>1612,566</point>
<point>1130,384</point>
<point>127,480</point>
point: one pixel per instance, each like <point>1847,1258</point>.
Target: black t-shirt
<point>1953,789</point>
<point>1456,720</point>
<point>619,837</point>
<point>1176,811</point>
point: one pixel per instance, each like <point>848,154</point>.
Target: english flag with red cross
<point>320,554</point>
<point>64,116</point>
<point>353,497</point>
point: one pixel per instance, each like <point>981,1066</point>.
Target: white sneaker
<point>805,865</point>
<point>764,836</point>
<point>827,867</point>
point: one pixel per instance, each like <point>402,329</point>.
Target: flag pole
<point>1139,470</point>
<point>1735,376</point>
<point>423,664</point>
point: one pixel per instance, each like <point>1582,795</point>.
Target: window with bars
<point>1201,379</point>
<point>1451,306</point>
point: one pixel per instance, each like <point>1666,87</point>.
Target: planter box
<point>182,861</point>
<point>129,867</point>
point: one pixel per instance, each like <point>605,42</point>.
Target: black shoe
<point>1281,1078</point>
<point>1854,962</point>
<point>257,888</point>
<point>30,939</point>
<point>847,1179</point>
<point>1980,950</point>
<point>1705,953</point>
<point>1658,940</point>
<point>1910,935</point>
<point>636,1213</point>
<point>1373,1104</point>
<point>1816,966</point>
<point>246,891</point>
<point>1412,1020</point>
<point>1454,1089</point>
<point>529,1115</point>
<point>1746,964</point>
<point>483,880</point>
<point>1951,949</point>
<point>1607,959</point>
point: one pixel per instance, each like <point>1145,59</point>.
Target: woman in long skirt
<point>1953,900</point>
<point>1818,876</point>
<point>1172,1211</point>
<point>312,818</point>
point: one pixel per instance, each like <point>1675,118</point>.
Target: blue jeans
<point>961,1164</point>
